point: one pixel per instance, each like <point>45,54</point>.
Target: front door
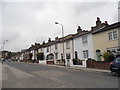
<point>68,59</point>
<point>68,62</point>
<point>98,54</point>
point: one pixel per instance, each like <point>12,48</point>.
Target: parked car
<point>115,65</point>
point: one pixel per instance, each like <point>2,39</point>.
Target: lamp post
<point>63,41</point>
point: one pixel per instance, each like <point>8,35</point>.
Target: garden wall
<point>50,62</point>
<point>98,64</point>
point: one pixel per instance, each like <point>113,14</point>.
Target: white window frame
<point>56,55</point>
<point>67,44</point>
<point>56,46</point>
<point>110,35</point>
<point>113,35</point>
<point>68,55</point>
<point>47,49</point>
<point>85,54</point>
<point>85,40</point>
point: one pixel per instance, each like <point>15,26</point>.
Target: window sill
<point>85,44</point>
<point>113,40</point>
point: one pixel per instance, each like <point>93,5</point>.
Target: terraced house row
<point>75,49</point>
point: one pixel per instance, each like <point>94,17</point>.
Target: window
<point>68,45</point>
<point>56,46</point>
<point>68,56</point>
<point>84,40</point>
<point>118,59</point>
<point>56,55</point>
<point>112,35</point>
<point>40,56</point>
<point>85,54</point>
<point>47,49</point>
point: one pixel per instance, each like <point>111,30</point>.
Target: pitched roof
<point>34,47</point>
<point>81,34</point>
<point>105,28</point>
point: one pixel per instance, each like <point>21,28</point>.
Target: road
<point>28,75</point>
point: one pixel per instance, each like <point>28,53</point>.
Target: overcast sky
<point>24,23</point>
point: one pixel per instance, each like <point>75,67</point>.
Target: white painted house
<point>83,46</point>
<point>53,50</point>
<point>41,51</point>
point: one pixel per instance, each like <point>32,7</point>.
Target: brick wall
<point>98,64</point>
<point>50,62</point>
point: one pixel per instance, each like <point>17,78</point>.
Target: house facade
<point>105,39</point>
<point>83,46</point>
<point>68,50</point>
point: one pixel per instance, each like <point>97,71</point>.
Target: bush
<point>108,56</point>
<point>77,62</point>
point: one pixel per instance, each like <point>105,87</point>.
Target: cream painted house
<point>68,50</point>
<point>106,38</point>
<point>52,51</point>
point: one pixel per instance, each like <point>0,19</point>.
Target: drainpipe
<point>72,49</point>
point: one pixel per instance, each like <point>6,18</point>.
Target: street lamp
<point>62,28</point>
<point>63,40</point>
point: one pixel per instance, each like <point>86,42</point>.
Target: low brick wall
<point>98,64</point>
<point>50,62</point>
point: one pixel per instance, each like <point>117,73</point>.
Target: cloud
<point>25,23</point>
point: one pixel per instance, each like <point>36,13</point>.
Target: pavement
<point>82,68</point>
<point>78,68</point>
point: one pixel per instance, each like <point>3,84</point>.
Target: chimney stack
<point>98,22</point>
<point>49,40</point>
<point>106,22</point>
<point>56,38</point>
<point>35,43</point>
<point>79,30</point>
<point>43,42</point>
<point>92,28</point>
<point>32,45</point>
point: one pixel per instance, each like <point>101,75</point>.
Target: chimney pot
<point>106,22</point>
<point>98,19</point>
<point>92,28</point>
<point>56,38</point>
